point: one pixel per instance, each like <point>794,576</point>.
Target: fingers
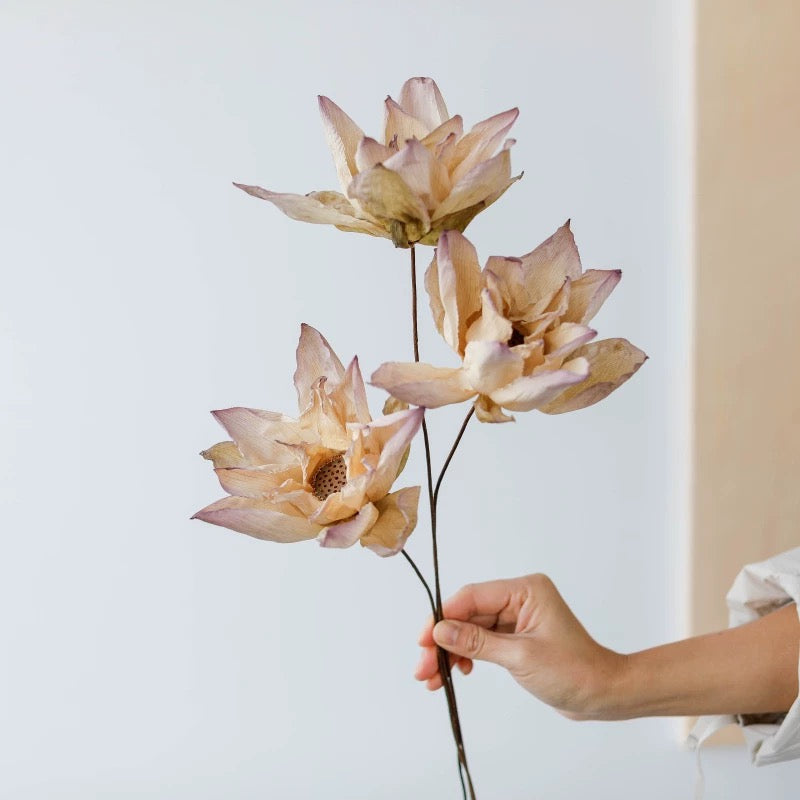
<point>428,666</point>
<point>475,642</point>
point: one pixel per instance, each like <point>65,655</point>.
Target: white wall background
<point>144,655</point>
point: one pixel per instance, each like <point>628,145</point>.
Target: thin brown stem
<point>422,580</point>
<point>442,655</point>
<point>452,453</point>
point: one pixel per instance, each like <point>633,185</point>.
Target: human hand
<point>524,625</point>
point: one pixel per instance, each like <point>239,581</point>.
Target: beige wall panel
<point>746,494</point>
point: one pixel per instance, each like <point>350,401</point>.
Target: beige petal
<point>257,518</point>
<point>260,435</point>
<point>347,533</point>
<point>506,278</point>
<point>422,384</point>
<point>399,125</point>
<point>322,420</point>
<point>566,338</point>
<point>551,263</point>
<point>343,137</point>
<point>383,194</point>
<point>369,153</point>
<point>349,398</point>
<point>421,98</point>
<point>449,130</point>
<point>333,509</point>
<point>490,365</point>
<point>482,142</point>
<point>459,278</point>
<point>224,455</point>
<point>481,182</point>
<point>611,363</point>
<point>486,410</point>
<point>589,292</point>
<point>256,482</point>
<point>324,208</point>
<point>422,173</point>
<point>315,360</point>
<point>432,288</point>
<point>397,520</point>
<point>391,437</point>
<point>491,325</point>
<point>534,391</point>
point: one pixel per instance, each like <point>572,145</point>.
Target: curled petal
<point>450,130</point>
<point>348,532</point>
<point>350,396</point>
<point>315,359</point>
<point>421,98</point>
<point>391,436</point>
<point>534,391</point>
<point>325,208</point>
<point>565,338</point>
<point>398,518</point>
<point>611,363</point>
<point>224,455</point>
<point>458,274</point>
<point>490,365</point>
<point>480,183</point>
<point>257,518</point>
<point>554,261</point>
<point>486,410</point>
<point>589,292</point>
<point>260,435</point>
<point>383,194</point>
<point>422,384</point>
<point>491,325</point>
<point>343,137</point>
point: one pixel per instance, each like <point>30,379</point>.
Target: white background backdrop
<point>145,655</point>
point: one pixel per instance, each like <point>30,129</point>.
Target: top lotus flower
<point>426,177</point>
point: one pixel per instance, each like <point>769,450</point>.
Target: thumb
<point>473,641</point>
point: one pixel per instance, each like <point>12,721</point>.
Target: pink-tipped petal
<point>343,137</point>
<point>534,391</point>
<point>398,518</point>
<point>449,130</point>
<point>260,435</point>
<point>459,286</point>
<point>256,482</point>
<point>480,183</point>
<point>421,98</point>
<point>351,395</point>
<point>482,141</point>
<point>589,292</point>
<point>490,365</point>
<point>257,518</point>
<point>315,359</point>
<point>566,338</point>
<point>392,437</point>
<point>611,363</point>
<point>551,263</point>
<point>422,384</point>
<point>369,153</point>
<point>399,125</point>
<point>348,532</point>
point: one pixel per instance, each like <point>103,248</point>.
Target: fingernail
<point>446,633</point>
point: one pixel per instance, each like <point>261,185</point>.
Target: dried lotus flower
<point>325,475</point>
<point>424,176</point>
<point>520,327</point>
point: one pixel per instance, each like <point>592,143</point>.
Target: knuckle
<point>473,639</point>
<point>540,582</point>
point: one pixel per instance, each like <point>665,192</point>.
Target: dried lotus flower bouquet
<point>519,326</point>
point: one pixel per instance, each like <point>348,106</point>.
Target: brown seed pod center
<point>329,477</point>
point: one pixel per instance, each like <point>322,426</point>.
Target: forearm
<point>750,669</point>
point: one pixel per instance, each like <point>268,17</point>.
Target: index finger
<point>486,604</point>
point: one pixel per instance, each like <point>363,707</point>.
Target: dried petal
<point>422,384</point>
<point>398,518</point>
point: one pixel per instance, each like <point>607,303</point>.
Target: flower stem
<point>442,655</point>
